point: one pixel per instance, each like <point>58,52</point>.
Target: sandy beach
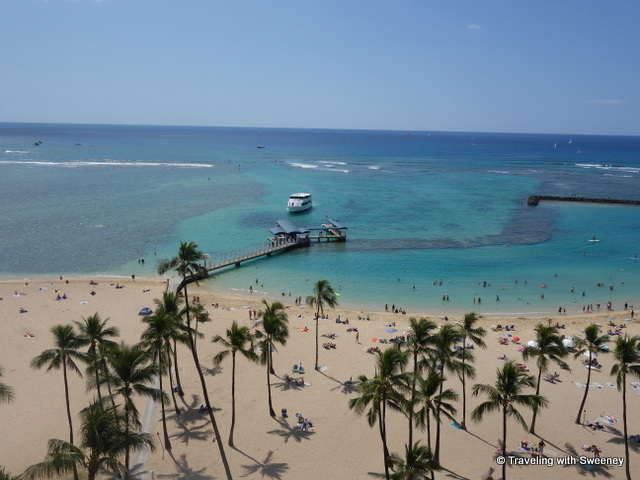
<point>341,445</point>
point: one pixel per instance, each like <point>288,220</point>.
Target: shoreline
<point>238,294</point>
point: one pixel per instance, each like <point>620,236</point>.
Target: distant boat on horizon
<point>260,144</point>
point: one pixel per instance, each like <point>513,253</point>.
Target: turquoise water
<point>429,214</point>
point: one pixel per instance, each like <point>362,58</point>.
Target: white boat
<point>299,202</point>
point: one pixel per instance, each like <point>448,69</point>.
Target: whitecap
<point>110,163</point>
<point>302,165</point>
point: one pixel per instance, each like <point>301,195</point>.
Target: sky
<point>537,66</point>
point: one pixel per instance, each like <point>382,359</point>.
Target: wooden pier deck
<point>243,255</point>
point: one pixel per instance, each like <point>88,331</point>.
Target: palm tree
<point>199,313</point>
<point>590,344</point>
<point>4,475</point>
<point>627,357</point>
<point>189,265</point>
<point>381,392</point>
<point>468,330</point>
<point>171,305</point>
<point>548,347</point>
<point>235,341</point>
<point>62,357</point>
<point>101,443</point>
<point>418,344</point>
<point>6,392</point>
<point>276,330</point>
<point>443,357</point>
<point>157,338</point>
<point>415,464</point>
<point>433,402</point>
<point>95,332</point>
<point>504,395</point>
<point>323,295</point>
<point>131,372</point>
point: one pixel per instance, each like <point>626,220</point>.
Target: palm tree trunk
<point>586,392</point>
<point>175,368</point>
<point>127,452</point>
<point>97,372</point>
<point>504,441</point>
<point>233,397</point>
<point>205,394</point>
<point>463,424</point>
<point>413,397</point>
<point>532,428</point>
<point>173,393</point>
<point>433,475</point>
<point>271,370</point>
<point>429,430</point>
<point>383,436</point>
<point>66,396</point>
<point>105,369</point>
<point>438,425</point>
<point>271,412</point>
<point>317,319</point>
<point>167,441</point>
<point>624,427</point>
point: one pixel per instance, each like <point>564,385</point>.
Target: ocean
<point>430,215</point>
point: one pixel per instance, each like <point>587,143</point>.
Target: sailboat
<point>260,144</point>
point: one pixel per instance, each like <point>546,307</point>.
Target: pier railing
<point>236,257</point>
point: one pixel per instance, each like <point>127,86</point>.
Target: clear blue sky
<point>561,66</point>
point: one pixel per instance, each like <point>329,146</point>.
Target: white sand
<point>341,446</point>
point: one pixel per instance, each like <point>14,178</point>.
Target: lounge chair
<point>295,368</point>
<point>301,369</point>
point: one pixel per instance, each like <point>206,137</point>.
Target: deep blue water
<point>441,212</point>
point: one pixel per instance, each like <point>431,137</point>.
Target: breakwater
<point>533,200</point>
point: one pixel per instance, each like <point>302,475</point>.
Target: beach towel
<point>597,385</point>
<point>455,425</point>
<point>580,384</point>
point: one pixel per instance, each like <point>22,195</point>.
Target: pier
<point>286,237</point>
<point>533,200</point>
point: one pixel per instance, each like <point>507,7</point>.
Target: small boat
<point>260,145</point>
<point>299,202</point>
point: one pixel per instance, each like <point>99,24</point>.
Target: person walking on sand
<point>357,337</point>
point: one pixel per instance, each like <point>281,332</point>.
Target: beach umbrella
<point>516,339</point>
<point>391,330</point>
<point>532,343</point>
<point>568,343</point>
<point>520,348</point>
<point>593,355</point>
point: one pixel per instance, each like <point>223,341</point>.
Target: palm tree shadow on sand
<point>266,468</point>
<point>287,432</point>
<point>184,471</point>
<point>588,470</point>
<point>617,438</point>
<point>347,387</point>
